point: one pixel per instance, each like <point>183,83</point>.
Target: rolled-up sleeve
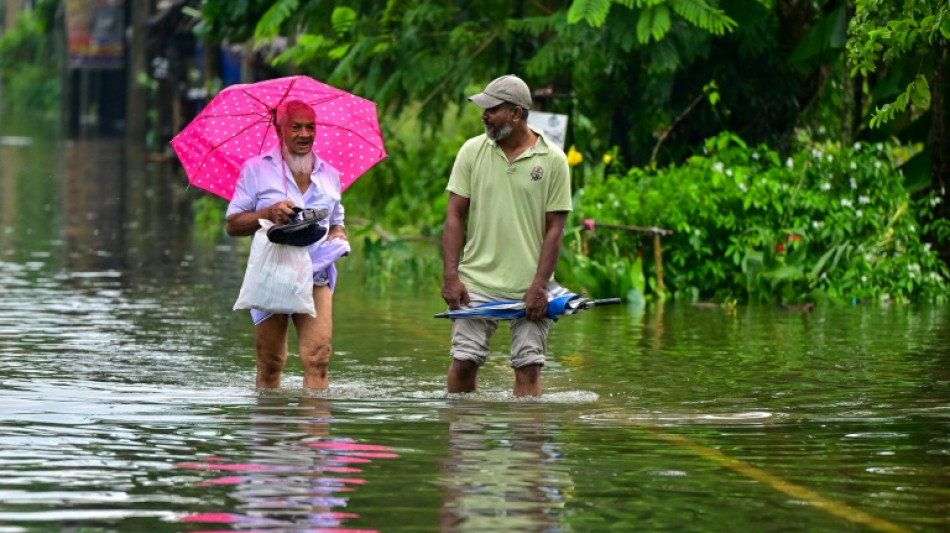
<point>336,217</point>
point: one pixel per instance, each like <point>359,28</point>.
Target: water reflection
<point>294,472</point>
<point>501,471</point>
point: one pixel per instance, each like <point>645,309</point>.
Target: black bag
<point>303,230</point>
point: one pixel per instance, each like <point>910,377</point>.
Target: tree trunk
<point>940,136</point>
<point>137,104</point>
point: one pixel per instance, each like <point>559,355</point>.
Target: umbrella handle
<point>606,301</point>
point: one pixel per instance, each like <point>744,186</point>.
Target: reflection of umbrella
<point>238,124</point>
<point>567,304</point>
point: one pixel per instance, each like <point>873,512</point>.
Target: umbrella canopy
<point>238,124</point>
<point>567,304</point>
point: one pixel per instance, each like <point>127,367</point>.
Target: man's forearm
<point>451,247</point>
<point>550,249</point>
<point>244,224</point>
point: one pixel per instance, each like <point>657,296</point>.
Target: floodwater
<point>127,404</point>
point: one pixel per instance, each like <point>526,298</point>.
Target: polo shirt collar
<point>540,147</point>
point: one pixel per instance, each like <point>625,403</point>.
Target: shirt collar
<point>540,147</point>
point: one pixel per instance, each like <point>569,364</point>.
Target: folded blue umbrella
<point>567,304</point>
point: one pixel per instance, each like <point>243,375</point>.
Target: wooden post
<point>658,261</point>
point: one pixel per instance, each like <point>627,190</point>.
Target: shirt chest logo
<point>537,173</point>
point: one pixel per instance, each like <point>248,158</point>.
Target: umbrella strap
<point>283,168</point>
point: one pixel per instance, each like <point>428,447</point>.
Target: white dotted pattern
<point>237,125</point>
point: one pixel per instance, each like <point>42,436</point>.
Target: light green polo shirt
<point>507,209</point>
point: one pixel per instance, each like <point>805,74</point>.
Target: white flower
<point>816,153</point>
<point>854,166</point>
<point>824,275</point>
<point>825,186</point>
<point>729,172</point>
<point>717,166</point>
<point>857,147</point>
<point>696,232</point>
<point>912,228</point>
<point>879,146</point>
<point>858,213</point>
<point>817,224</point>
<point>927,246</point>
<point>755,156</point>
<point>877,164</point>
<point>789,163</point>
<point>743,188</point>
<point>845,202</point>
<point>913,267</point>
<point>864,279</point>
<point>863,199</point>
<point>830,158</point>
<point>868,257</point>
<point>854,183</point>
<point>934,201</point>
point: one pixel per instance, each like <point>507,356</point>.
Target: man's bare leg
<point>528,381</point>
<point>270,340</point>
<point>462,376</point>
<point>315,337</point>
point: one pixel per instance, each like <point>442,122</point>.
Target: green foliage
<point>594,12</point>
<point>881,34</point>
<point>209,218</point>
<point>400,263</point>
<point>607,276</point>
<point>631,68</point>
<point>830,222</point>
<point>30,79</point>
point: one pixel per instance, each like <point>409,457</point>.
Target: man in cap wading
<point>513,188</point>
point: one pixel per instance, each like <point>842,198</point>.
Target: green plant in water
<point>209,219</point>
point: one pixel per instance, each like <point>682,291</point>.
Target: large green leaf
<point>653,22</point>
<point>594,12</point>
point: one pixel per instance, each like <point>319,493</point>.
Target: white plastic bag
<point>278,279</point>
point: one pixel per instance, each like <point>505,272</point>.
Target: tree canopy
<point>631,73</point>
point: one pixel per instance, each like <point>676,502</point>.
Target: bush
<point>830,222</point>
<point>30,80</point>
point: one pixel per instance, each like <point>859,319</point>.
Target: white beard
<point>299,164</point>
<point>501,133</point>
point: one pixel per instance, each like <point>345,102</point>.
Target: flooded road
<point>127,400</point>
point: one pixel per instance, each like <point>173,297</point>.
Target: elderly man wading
<point>269,187</point>
<point>512,187</point>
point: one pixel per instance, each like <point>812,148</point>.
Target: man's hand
<point>280,213</point>
<point>454,293</point>
<point>536,303</point>
<point>336,232</point>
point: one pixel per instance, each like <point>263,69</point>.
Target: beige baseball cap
<point>508,88</point>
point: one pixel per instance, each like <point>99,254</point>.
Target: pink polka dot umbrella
<point>238,124</point>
